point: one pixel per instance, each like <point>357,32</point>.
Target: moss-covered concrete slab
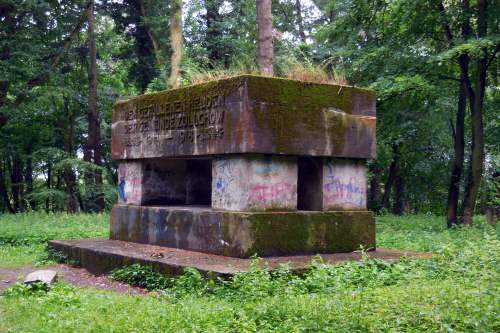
<point>247,114</point>
<point>100,256</point>
<point>243,234</point>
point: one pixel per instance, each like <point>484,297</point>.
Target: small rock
<point>46,276</point>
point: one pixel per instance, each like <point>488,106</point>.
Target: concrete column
<point>344,184</point>
<point>254,182</point>
<point>130,176</point>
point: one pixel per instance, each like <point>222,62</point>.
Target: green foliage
<point>455,291</point>
<point>140,276</point>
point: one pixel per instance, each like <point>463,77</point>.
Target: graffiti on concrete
<point>271,193</point>
<point>344,185</point>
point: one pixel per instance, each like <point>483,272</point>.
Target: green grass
<point>456,291</point>
<point>23,237</point>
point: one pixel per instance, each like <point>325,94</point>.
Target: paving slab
<point>99,256</point>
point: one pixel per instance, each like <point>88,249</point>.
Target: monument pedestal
<point>243,234</point>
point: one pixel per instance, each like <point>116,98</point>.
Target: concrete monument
<point>211,174</point>
<point>246,165</point>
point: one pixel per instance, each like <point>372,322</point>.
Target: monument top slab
<point>247,114</point>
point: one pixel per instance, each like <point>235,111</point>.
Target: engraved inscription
<point>193,120</point>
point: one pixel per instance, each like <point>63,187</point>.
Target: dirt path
<point>73,275</point>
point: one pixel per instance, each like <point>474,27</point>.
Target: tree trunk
<point>300,21</point>
<point>176,42</point>
<point>16,178</point>
<point>458,163</point>
<point>391,177</point>
<point>374,194</point>
<point>4,193</point>
<point>94,137</point>
<point>160,61</point>
<point>3,120</point>
<point>69,174</point>
<point>399,202</point>
<point>28,178</point>
<point>265,27</point>
<point>49,186</point>
<point>476,166</point>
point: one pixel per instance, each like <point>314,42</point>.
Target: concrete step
<point>100,256</point>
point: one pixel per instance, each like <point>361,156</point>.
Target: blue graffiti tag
<point>121,190</point>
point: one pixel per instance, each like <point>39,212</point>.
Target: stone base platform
<point>100,256</point>
<point>243,234</point>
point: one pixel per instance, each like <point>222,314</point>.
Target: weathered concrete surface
<point>344,184</point>
<point>100,256</point>
<point>254,182</point>
<point>247,114</point>
<point>243,234</point>
<point>165,182</point>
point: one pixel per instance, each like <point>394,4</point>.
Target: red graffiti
<point>274,192</point>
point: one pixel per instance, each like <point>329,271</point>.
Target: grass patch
<point>23,237</point>
<point>456,291</point>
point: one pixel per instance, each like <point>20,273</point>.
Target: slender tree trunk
<point>374,194</point>
<point>458,163</point>
<point>3,120</point>
<point>69,174</point>
<point>399,193</point>
<point>160,61</point>
<point>176,42</point>
<point>28,178</point>
<point>300,21</point>
<point>3,191</point>
<point>16,178</point>
<point>476,167</point>
<point>94,140</point>
<point>265,27</point>
<point>391,177</point>
<point>49,187</point>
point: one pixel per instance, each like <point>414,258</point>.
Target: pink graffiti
<point>267,193</point>
<point>351,191</point>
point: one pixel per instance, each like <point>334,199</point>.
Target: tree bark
<point>3,120</point>
<point>374,194</point>
<point>49,186</point>
<point>16,178</point>
<point>160,61</point>
<point>176,42</point>
<point>458,163</point>
<point>399,202</point>
<point>265,28</point>
<point>476,166</point>
<point>4,193</point>
<point>391,177</point>
<point>28,178</point>
<point>94,129</point>
<point>69,174</point>
<point>300,21</point>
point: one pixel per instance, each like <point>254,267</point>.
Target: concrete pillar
<point>344,184</point>
<point>130,183</point>
<point>254,182</point>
